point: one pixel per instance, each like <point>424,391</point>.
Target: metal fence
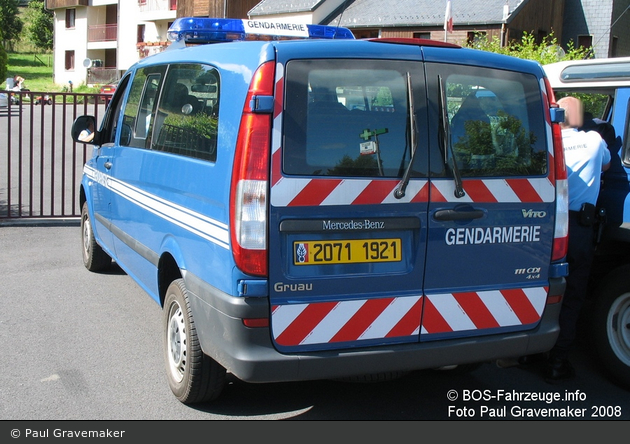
<point>40,164</point>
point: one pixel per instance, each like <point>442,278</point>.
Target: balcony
<point>56,4</point>
<point>103,33</point>
<point>157,5</point>
<point>102,75</point>
<point>157,10</point>
<point>145,49</point>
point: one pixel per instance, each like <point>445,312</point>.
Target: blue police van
<point>305,205</point>
<point>603,85</point>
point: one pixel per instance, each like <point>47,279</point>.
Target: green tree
<point>10,23</point>
<point>39,25</point>
<point>545,52</point>
<point>4,60</point>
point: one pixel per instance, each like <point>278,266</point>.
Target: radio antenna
<point>343,9</point>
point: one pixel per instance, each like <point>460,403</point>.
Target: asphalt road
<point>77,345</point>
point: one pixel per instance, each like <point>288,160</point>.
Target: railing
<point>40,164</point>
<point>102,33</point>
<point>102,75</point>
<point>146,49</point>
<point>157,5</point>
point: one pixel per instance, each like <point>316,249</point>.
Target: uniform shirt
<point>585,154</point>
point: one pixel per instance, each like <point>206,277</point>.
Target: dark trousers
<point>580,259</point>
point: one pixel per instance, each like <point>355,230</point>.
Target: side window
<point>110,121</point>
<point>138,114</point>
<point>496,123</point>
<point>187,112</point>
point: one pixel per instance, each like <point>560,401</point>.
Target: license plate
<point>353,251</point>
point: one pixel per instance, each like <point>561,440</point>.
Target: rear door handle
<point>445,215</point>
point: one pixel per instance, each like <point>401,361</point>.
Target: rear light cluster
<point>561,231</point>
<point>250,178</point>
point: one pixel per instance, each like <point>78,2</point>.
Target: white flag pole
<point>448,20</point>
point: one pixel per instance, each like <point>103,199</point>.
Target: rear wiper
<point>448,143</point>
<point>399,193</point>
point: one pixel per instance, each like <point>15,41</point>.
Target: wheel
<point>49,101</point>
<point>192,376</point>
<point>94,258</point>
<point>611,325</point>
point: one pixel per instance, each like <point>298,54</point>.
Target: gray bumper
<point>248,353</point>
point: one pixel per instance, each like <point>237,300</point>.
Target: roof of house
<point>388,13</point>
<point>266,7</point>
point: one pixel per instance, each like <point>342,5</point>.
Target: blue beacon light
<point>215,30</point>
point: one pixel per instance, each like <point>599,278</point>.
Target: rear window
<point>346,118</point>
<point>496,122</point>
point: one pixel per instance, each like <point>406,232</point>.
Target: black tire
<point>610,325</point>
<point>94,257</point>
<point>192,376</point>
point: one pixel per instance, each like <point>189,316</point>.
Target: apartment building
<point>95,41</point>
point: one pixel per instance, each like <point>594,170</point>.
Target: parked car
<point>110,88</point>
<point>4,100</point>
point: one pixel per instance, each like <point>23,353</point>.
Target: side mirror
<point>84,130</point>
<point>557,115</point>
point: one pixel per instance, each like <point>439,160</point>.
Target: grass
<point>37,70</point>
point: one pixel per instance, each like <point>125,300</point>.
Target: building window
<point>70,16</point>
<point>69,60</point>
<point>585,41</point>
<point>140,37</point>
<point>422,35</point>
<point>365,33</point>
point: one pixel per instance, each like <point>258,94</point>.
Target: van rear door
<point>490,241</point>
<point>347,258</point>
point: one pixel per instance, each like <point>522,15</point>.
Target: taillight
<point>250,176</point>
<point>561,232</point>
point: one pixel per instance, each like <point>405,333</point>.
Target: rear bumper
<point>248,353</point>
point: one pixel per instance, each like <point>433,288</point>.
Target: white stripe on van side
<point>203,226</point>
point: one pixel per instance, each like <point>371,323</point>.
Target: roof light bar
<point>214,30</point>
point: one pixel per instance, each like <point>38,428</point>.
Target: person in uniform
<point>586,156</point>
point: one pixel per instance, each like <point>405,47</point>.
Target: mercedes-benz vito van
<point>305,205</point>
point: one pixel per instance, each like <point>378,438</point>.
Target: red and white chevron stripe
<point>341,321</point>
<point>292,192</point>
<point>445,313</point>
<point>397,317</point>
